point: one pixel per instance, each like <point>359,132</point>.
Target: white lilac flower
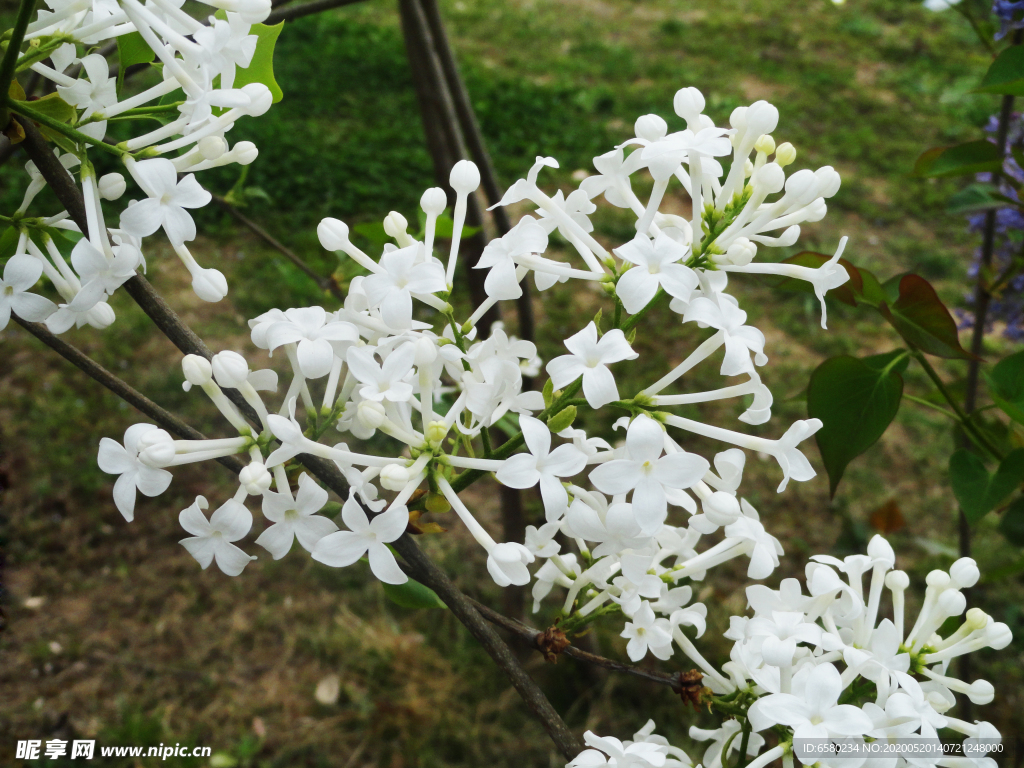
<point>366,537</point>
<point>647,633</point>
<point>656,265</point>
<point>400,278</point>
<point>212,539</point>
<point>295,518</point>
<point>647,473</point>
<point>167,202</point>
<point>386,381</point>
<point>542,465</point>
<point>590,359</point>
<point>318,338</point>
<point>20,274</point>
<point>134,475</point>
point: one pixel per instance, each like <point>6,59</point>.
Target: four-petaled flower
<point>656,266</point>
<point>295,518</point>
<point>115,459</point>
<point>20,274</point>
<point>211,539</point>
<point>167,201</point>
<point>590,358</point>
<point>393,288</point>
<point>366,537</point>
<point>542,465</point>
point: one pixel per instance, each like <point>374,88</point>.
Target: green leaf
<point>563,419</point>
<point>856,401</point>
<point>1012,523</point>
<point>959,160</point>
<point>133,49</point>
<point>922,319</point>
<point>978,197</point>
<point>412,594</point>
<point>261,68</point>
<point>978,492</point>
<point>444,228</point>
<point>52,105</point>
<point>9,242</point>
<point>1006,74</point>
<point>1006,386</point>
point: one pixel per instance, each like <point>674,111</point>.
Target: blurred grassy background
<point>114,633</point>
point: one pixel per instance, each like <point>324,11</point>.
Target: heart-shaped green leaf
<point>979,492</point>
<point>922,319</point>
<point>1006,386</point>
<point>856,401</point>
<point>261,68</point>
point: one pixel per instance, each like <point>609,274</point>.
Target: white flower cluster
<point>199,59</point>
<point>800,655</point>
<point>437,393</point>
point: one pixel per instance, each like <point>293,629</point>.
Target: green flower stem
<point>933,406</point>
<point>976,436</point>
<point>632,321</point>
<point>19,107</point>
<point>40,53</point>
<point>8,65</point>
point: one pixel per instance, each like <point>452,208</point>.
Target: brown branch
<point>293,12</point>
<point>122,389</point>
<point>324,283</point>
<point>531,636</point>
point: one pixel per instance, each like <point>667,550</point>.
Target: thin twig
<point>298,11</point>
<point>324,283</point>
<point>122,389</point>
<point>530,635</point>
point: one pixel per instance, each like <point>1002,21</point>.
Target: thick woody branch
<point>122,389</point>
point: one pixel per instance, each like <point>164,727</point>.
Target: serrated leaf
<point>1006,386</point>
<point>1005,75</point>
<point>261,68</point>
<point>1011,525</point>
<point>856,401</point>
<point>923,321</point>
<point>846,293</point>
<point>412,594</point>
<point>979,492</point>
<point>959,160</point>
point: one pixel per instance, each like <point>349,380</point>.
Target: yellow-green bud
<point>563,419</point>
<point>765,144</point>
<point>437,503</point>
<point>785,154</point>
<point>436,430</point>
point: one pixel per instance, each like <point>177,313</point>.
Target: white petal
<point>384,565</point>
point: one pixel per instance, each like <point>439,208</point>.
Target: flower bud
<point>937,579</point>
<point>815,210</point>
<point>761,118</point>
<point>563,419</point>
<point>748,168</point>
<point>999,635</point>
<point>650,127</point>
<point>230,369</point>
<point>252,11</point>
<point>395,224</point>
<point>880,549</point>
<point>426,352</point>
<point>255,478</point>
<point>370,414</point>
<point>465,177</point>
<point>333,234</point>
<point>393,477</point>
<point>209,284</point>
<point>212,147</point>
<point>977,619</point>
<point>437,504</point>
<point>197,370</point>
<point>952,602</point>
<point>981,692</point>
<point>244,152</point>
<point>111,186</point>
<point>688,103</point>
<point>769,179</point>
<point>741,252</point>
<point>738,120</point>
<point>765,143</point>
<point>261,97</point>
<point>785,154</point>
<point>801,187</point>
<point>434,201</point>
<point>897,581</point>
<point>722,508</point>
<point>965,572</point>
<point>156,448</point>
<point>436,431</point>
<point>828,181</point>
<point>100,316</point>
